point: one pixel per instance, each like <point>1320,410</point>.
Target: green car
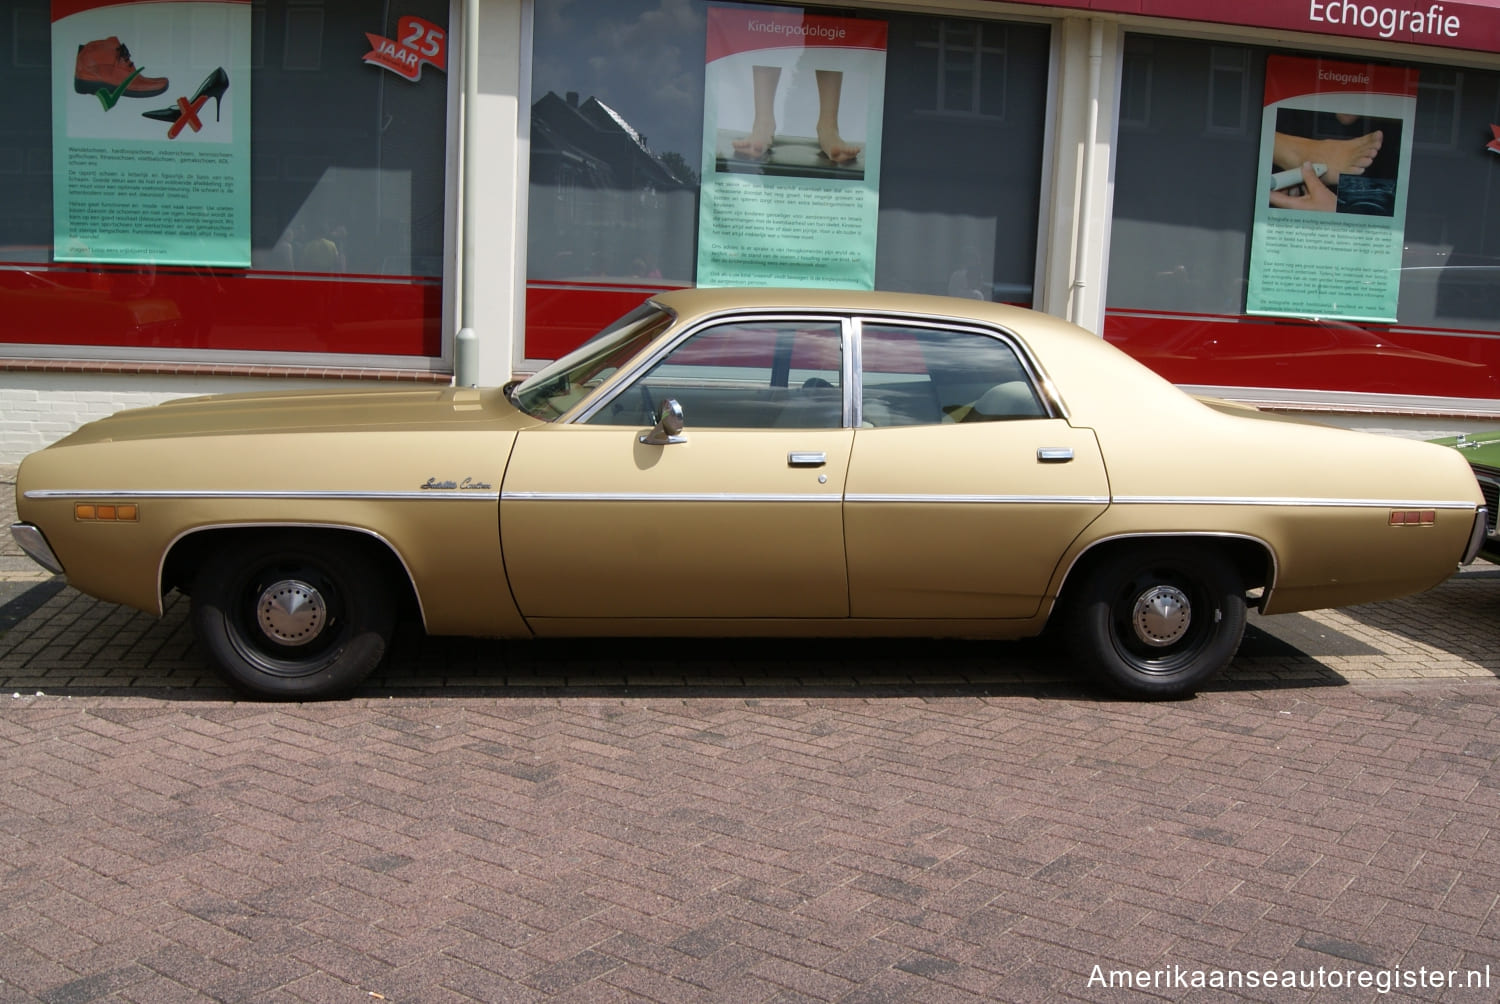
<point>1482,451</point>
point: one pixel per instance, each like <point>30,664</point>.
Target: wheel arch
<point>185,554</point>
<point>1252,557</point>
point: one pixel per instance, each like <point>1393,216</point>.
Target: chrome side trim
<point>1270,500</point>
<point>34,544</point>
<point>1013,499</point>
<point>917,497</point>
<point>326,495</point>
<point>161,566</point>
<point>665,497</point>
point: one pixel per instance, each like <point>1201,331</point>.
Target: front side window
<point>557,389</point>
<point>933,376</point>
<point>752,374</point>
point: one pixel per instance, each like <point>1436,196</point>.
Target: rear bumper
<point>1478,535</point>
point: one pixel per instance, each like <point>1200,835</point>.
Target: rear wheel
<point>293,615</point>
<point>1157,620</point>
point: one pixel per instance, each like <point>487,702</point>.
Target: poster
<point>1330,206</point>
<point>151,132</point>
<point>791,150</point>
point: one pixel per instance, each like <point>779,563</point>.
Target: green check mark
<point>108,96</point>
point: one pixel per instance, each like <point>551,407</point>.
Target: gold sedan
<point>750,462</point>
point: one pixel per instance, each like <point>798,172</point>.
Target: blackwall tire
<point>1156,620</point>
<point>294,615</point>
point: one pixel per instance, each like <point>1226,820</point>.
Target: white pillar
<point>497,191</point>
<point>1076,216</point>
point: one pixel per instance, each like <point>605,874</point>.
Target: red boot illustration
<point>104,69</point>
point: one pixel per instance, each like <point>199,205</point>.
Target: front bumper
<point>34,543</point>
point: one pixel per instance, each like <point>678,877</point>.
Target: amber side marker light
<point>1413,517</point>
<point>106,513</point>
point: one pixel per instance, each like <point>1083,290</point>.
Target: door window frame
<point>851,325</point>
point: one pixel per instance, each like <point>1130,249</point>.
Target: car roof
<point>715,299</point>
<point>1093,377</point>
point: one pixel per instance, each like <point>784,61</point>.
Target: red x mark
<point>189,115</point>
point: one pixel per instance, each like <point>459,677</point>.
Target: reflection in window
<point>1228,73</point>
<point>967,61</point>
<point>930,376</point>
<point>1184,247</point>
<point>347,182</point>
<point>258,34</point>
<point>618,209</point>
<point>962,224</point>
<point>1439,97</point>
<point>31,36</point>
<point>616,137</point>
<point>302,47</point>
<point>1135,87</point>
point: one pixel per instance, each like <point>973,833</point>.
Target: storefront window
<point>338,210</point>
<point>617,150</point>
<point>1187,181</point>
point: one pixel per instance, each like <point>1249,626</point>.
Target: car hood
<point>279,412</point>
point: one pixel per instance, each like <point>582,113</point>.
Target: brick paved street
<point>748,821</point>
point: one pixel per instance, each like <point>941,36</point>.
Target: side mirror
<point>668,428</point>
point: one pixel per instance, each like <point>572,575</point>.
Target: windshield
<point>556,389</point>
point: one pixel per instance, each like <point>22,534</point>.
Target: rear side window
<point>914,375</point>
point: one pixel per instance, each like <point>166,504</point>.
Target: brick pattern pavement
<point>798,848</point>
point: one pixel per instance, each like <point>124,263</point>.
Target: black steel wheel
<point>293,615</point>
<point>1156,619</point>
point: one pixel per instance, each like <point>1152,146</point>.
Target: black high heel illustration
<point>213,86</point>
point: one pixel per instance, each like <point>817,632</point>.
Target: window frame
<point>625,382</point>
<point>1040,385</point>
<point>852,326</point>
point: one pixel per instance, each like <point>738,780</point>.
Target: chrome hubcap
<point>291,612</point>
<point>1161,616</point>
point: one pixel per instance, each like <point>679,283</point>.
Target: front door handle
<point>806,458</point>
<point>1054,454</point>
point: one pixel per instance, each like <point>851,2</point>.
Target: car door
<point>965,487</point>
<point>738,517</point>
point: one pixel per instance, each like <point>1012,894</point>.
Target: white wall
<point>39,408</point>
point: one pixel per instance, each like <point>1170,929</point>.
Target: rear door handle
<point>806,458</point>
<point>1054,454</point>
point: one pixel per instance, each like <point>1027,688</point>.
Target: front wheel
<point>293,615</point>
<point>1157,620</point>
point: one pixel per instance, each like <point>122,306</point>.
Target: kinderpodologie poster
<point>151,132</point>
<point>1330,201</point>
<point>791,150</point>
